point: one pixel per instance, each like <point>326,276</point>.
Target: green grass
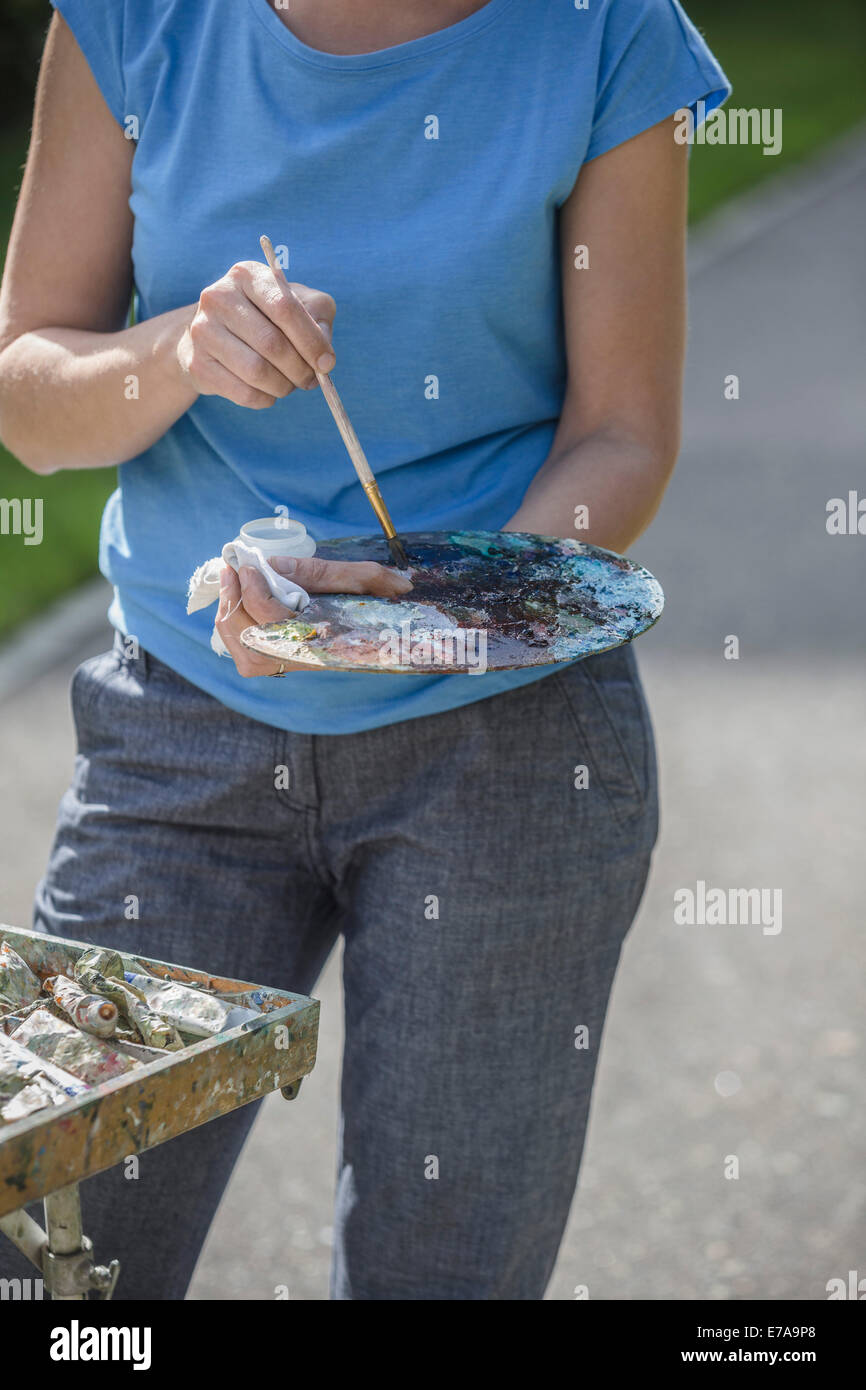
<point>805,59</point>
<point>31,576</point>
<point>778,53</point>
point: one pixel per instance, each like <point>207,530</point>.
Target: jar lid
<point>268,528</point>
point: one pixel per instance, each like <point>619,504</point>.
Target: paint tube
<point>20,1094</point>
<point>191,1010</point>
<point>108,963</point>
<point>28,1083</point>
<point>56,1041</point>
<point>101,972</point>
<point>18,984</point>
<point>155,1031</point>
<point>26,1088</point>
<point>89,1012</point>
<point>11,1051</point>
<point>9,1022</point>
<point>23,1098</point>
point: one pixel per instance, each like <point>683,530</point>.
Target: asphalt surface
<point>722,1042</point>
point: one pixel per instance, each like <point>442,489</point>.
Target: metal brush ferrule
<point>378,505</point>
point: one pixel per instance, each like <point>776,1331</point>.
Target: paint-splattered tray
<point>482,601</point>
<point>62,1144</point>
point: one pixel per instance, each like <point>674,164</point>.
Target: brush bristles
<point>398,554</point>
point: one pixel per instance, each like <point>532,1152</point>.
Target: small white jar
<point>276,535</point>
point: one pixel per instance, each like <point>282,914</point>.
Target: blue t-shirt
<point>441,254</point>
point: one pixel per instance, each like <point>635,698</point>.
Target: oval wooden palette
<point>482,600</point>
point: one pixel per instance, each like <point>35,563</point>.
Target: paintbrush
<point>344,425</point>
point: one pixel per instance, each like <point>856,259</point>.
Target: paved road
<point>721,1041</point>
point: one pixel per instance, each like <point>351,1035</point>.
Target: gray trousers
<point>483,893</point>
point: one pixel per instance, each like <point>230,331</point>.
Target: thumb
<point>258,600</point>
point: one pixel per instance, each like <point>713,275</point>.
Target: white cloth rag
<point>204,586</point>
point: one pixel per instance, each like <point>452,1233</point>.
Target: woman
<point>493,196</point>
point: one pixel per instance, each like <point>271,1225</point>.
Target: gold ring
<point>282,670</point>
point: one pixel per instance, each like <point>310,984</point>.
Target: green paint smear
<point>297,631</point>
<point>481,544</point>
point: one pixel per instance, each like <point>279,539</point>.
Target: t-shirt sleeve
<point>653,63</point>
<point>98,26</point>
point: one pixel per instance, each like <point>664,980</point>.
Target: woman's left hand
<point>246,601</point>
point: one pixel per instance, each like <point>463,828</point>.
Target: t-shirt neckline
<point>382,57</point>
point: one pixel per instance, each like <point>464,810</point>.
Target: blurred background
<point>722,1042</point>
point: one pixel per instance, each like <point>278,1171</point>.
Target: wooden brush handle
<point>329,390</point>
<point>344,424</point>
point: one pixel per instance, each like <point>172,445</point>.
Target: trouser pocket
<point>605,702</point>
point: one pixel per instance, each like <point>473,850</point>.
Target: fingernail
<point>224,577</point>
<point>326,362</point>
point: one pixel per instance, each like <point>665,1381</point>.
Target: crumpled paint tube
<point>62,1043</point>
<point>18,984</point>
<point>21,1096</point>
<point>154,1031</point>
<point>29,1083</point>
<point>89,1012</point>
<point>9,1022</point>
<point>190,1010</point>
<point>101,972</point>
<point>14,1052</point>
<point>108,963</point>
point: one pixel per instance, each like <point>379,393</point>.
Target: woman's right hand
<point>251,342</point>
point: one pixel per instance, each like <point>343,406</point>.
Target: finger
<point>278,301</point>
<point>216,380</point>
<point>320,306</point>
<point>231,621</point>
<point>319,576</point>
<point>246,364</point>
<point>230,593</point>
<point>258,601</point>
<point>243,318</point>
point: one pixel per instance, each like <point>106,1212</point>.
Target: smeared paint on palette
<point>525,600</point>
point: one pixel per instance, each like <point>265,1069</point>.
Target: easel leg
<point>65,1241</point>
<point>62,1253</point>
